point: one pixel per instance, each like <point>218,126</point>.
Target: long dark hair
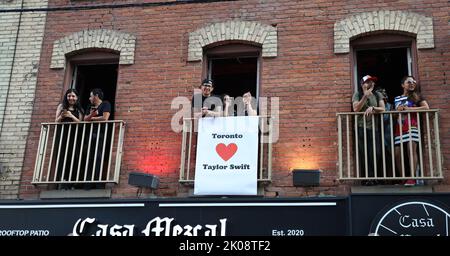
<point>415,95</point>
<point>77,105</point>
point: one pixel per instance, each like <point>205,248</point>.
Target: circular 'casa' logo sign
<point>412,218</point>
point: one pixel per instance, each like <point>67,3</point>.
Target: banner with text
<point>227,156</point>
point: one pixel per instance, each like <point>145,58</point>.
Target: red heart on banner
<point>226,152</point>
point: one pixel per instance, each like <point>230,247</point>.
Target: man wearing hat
<point>208,105</point>
<point>369,102</point>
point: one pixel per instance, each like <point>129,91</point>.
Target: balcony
<point>79,153</point>
<point>353,153</point>
<point>189,149</point>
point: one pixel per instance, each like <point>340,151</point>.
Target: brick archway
<point>383,20</point>
<point>261,34</point>
<point>100,38</point>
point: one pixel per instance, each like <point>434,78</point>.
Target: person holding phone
<point>69,111</point>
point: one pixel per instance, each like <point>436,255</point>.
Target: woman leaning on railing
<point>406,129</point>
<point>68,111</point>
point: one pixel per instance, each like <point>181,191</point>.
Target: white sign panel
<point>227,156</point>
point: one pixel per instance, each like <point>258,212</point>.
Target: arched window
<point>234,68</point>
<point>91,69</point>
<point>386,56</point>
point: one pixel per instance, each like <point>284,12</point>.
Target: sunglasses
<point>411,82</point>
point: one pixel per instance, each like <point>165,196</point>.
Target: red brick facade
<point>311,80</point>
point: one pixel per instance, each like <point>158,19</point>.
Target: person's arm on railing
<point>92,114</point>
<point>104,117</point>
<point>58,113</point>
<point>104,108</point>
<point>423,106</point>
<point>358,105</point>
<point>212,107</point>
<point>372,110</point>
<point>381,107</point>
<point>211,113</point>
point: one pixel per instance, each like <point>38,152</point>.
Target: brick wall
<point>312,81</point>
<point>17,88</point>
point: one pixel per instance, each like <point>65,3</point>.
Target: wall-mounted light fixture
<point>143,180</point>
<point>305,178</point>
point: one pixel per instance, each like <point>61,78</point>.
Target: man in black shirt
<point>205,104</point>
<point>100,110</point>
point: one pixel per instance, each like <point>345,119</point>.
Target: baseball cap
<point>368,78</point>
<point>207,82</point>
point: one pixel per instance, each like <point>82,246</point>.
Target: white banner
<point>227,156</point>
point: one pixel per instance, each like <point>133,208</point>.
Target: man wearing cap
<point>364,100</point>
<point>205,104</point>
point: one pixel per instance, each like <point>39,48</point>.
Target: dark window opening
<point>103,76</point>
<point>234,68</point>
<point>390,65</point>
<point>388,56</point>
<point>234,76</point>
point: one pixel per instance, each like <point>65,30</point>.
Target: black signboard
<point>177,217</point>
<point>401,214</point>
<point>358,214</point>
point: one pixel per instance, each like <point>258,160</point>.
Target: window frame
<point>97,57</point>
<point>90,57</point>
<point>233,49</point>
<point>382,41</point>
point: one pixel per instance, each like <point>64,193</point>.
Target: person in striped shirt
<point>406,131</point>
